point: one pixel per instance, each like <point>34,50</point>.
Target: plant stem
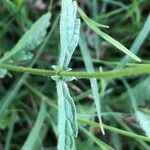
<point>129,71</point>
<point>115,130</point>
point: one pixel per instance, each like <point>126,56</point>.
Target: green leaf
<point>34,134</point>
<point>105,36</point>
<point>69,36</point>
<point>69,32</point>
<point>67,121</point>
<point>144,121</point>
<point>30,40</point>
<point>89,67</point>
<point>138,42</point>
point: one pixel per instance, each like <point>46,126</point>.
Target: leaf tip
<point>138,59</point>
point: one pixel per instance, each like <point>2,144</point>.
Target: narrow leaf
<point>106,36</point>
<point>94,84</point>
<point>34,134</point>
<point>30,40</point>
<point>138,42</point>
<point>69,32</point>
<point>69,35</point>
<point>67,122</point>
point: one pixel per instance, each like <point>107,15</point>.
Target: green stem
<point>129,71</point>
<point>115,130</point>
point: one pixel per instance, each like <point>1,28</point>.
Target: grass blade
<point>106,36</point>
<point>34,134</point>
<point>143,119</point>
<point>94,84</point>
<point>138,42</point>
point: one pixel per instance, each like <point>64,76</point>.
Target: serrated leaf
<point>69,35</point>
<point>144,121</point>
<point>67,121</point>
<point>69,32</point>
<point>30,40</point>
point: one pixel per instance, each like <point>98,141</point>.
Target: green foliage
<point>141,92</point>
<point>94,85</point>
<point>107,85</point>
<point>34,135</point>
<point>105,36</point>
<point>69,36</point>
<point>30,40</point>
<point>137,44</point>
<point>67,121</point>
<point>142,118</point>
<point>69,32</point>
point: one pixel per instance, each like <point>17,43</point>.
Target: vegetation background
<point>124,101</point>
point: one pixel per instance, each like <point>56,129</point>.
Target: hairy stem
<point>129,71</point>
